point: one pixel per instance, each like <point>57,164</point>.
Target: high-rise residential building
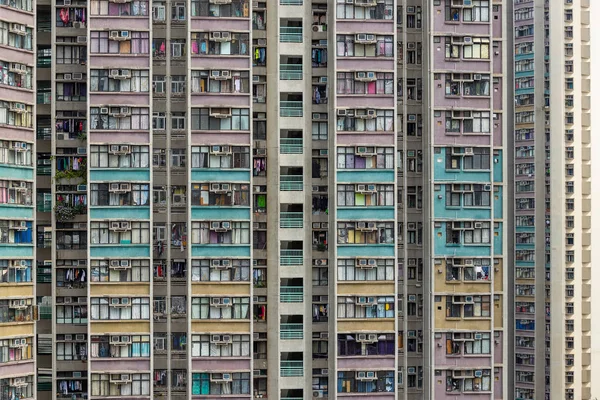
<point>294,199</point>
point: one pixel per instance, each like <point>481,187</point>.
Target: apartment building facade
<point>288,199</point>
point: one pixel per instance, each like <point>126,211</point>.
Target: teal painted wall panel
<point>215,175</point>
<point>497,165</point>
<point>525,228</point>
<point>365,251</point>
<point>220,213</point>
<point>365,176</point>
<point>441,248</point>
<point>498,240</point>
<point>498,202</point>
<point>441,211</point>
<point>12,211</point>
<point>120,251</point>
<point>15,250</point>
<point>119,212</point>
<point>220,250</point>
<point>17,173</point>
<point>441,174</point>
<point>120,175</point>
<point>366,213</point>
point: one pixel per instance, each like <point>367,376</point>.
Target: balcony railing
<point>291,220</point>
<point>43,98</point>
<point>290,72</point>
<point>291,257</point>
<point>292,368</point>
<point>291,331</point>
<point>290,109</point>
<point>291,294</point>
<point>291,146</point>
<point>289,183</point>
<point>290,2</point>
<point>290,34</point>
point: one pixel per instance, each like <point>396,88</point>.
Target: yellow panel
<point>498,284</point>
<point>381,325</point>
<point>366,288</point>
<point>103,327</point>
<point>120,289</point>
<point>16,290</point>
<point>214,288</point>
<point>498,317</point>
<point>220,326</point>
<point>18,329</point>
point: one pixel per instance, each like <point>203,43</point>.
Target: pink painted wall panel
<point>122,364</point>
<point>208,24</point>
<point>498,131</point>
<point>217,62</point>
<point>385,27</point>
<point>498,94</point>
<point>374,139</point>
<point>365,362</point>
<point>119,137</point>
<point>120,23</point>
<point>126,99</point>
<point>18,56</point>
<point>220,100</point>
<point>464,66</point>
<point>120,61</point>
<point>365,64</point>
<point>10,93</point>
<point>24,368</point>
<point>362,101</point>
<point>20,17</point>
<point>12,133</point>
<point>222,365</point>
<point>220,138</point>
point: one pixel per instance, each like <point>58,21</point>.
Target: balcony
<point>290,72</point>
<point>291,183</point>
<point>290,2</point>
<point>291,220</point>
<point>291,332</point>
<point>291,257</point>
<point>290,109</point>
<point>291,146</point>
<point>291,294</point>
<point>290,34</point>
<point>291,368</point>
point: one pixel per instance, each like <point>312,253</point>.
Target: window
<point>15,271</point>
<point>134,9</point>
<point>11,314</point>
<point>352,381</point>
<point>25,391</point>
<point>10,234</point>
<point>351,121</point>
<point>22,40</point>
<point>102,194</point>
<point>16,114</point>
<point>212,44</point>
<point>214,384</point>
<point>120,308</point>
<point>220,308</point>
<point>365,158</point>
<point>220,194</point>
<point>134,233</point>
<point>467,84</point>
<point>366,307</point>
<point>352,46</point>
<point>119,42</point>
<point>475,48</point>
<point>458,343</point>
<point>25,5</point>
<point>220,157</point>
<point>468,270</point>
<point>220,270</point>
<point>16,192</point>
<point>123,346</point>
<point>382,10</point>
<point>366,270</point>
<point>119,118</point>
<point>120,385</point>
<point>459,381</point>
<point>119,80</point>
<point>16,349</point>
<point>468,195</point>
<point>354,83</point>
<point>225,233</point>
<point>101,156</point>
<point>467,306</point>
<point>221,346</point>
<point>319,130</point>
<point>20,78</point>
<point>468,232</point>
<point>220,81</point>
<point>159,121</point>
<point>361,196</point>
<point>221,119</point>
<point>365,232</point>
<point>480,12</point>
<point>125,271</point>
<point>205,8</point>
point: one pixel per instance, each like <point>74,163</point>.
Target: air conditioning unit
<point>17,68</point>
<point>318,393</point>
<point>18,304</point>
<point>219,1</point>
<point>123,74</point>
<point>361,76</point>
<point>318,28</point>
<point>220,377</point>
<point>119,379</point>
<point>468,151</point>
<point>468,299</point>
<point>78,25</point>
<point>67,77</point>
<point>17,382</point>
<point>178,199</point>
<point>18,107</point>
<point>364,151</point>
<point>21,264</point>
<point>366,300</point>
<point>17,29</point>
<point>365,3</point>
<point>341,112</point>
<point>218,113</point>
<point>487,188</point>
<point>81,39</point>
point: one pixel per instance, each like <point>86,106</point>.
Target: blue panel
<point>519,57</point>
<point>382,250</point>
<point>13,211</point>
<point>365,176</point>
<point>441,174</point>
<point>523,74</point>
<point>524,91</point>
<point>120,212</point>
<point>16,250</point>
<point>216,175</point>
<point>498,202</point>
<point>120,251</point>
<point>16,173</point>
<point>199,213</point>
<point>498,240</point>
<point>220,250</point>
<point>498,167</point>
<point>525,246</point>
<point>525,228</point>
<point>525,263</point>
<point>120,175</point>
<point>369,213</point>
